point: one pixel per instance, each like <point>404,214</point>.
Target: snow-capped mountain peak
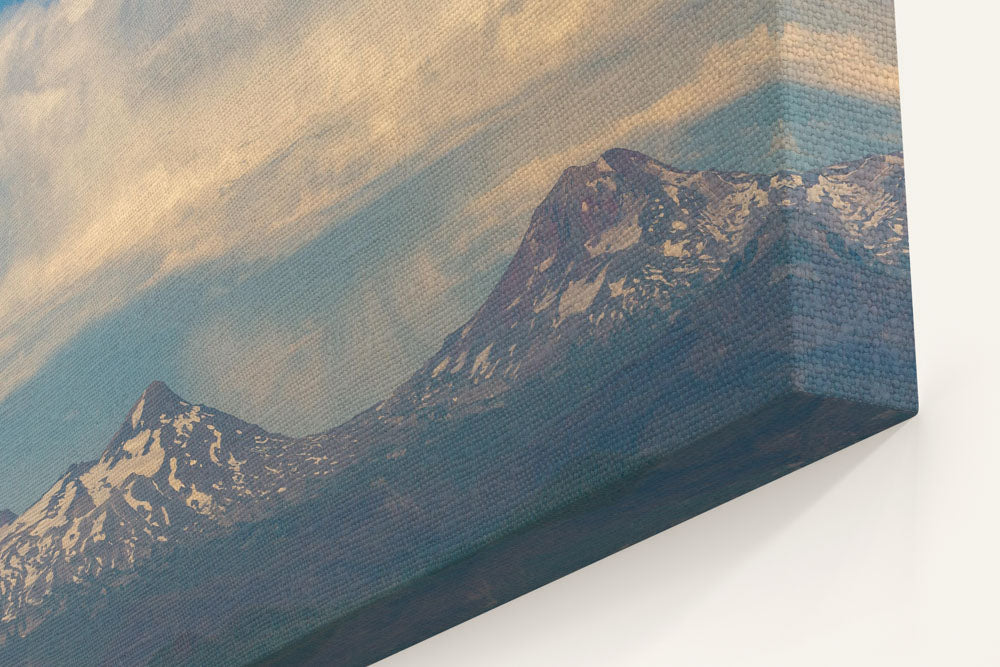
<point>174,469</point>
<point>614,240</point>
<point>157,401</point>
<point>626,241</point>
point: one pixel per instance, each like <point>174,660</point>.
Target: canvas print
<point>325,327</point>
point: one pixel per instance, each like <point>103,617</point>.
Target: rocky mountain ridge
<point>173,470</point>
<point>615,253</point>
<point>626,237</point>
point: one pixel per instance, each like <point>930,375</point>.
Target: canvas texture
<point>325,327</point>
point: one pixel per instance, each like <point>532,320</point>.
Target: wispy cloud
<point>138,141</point>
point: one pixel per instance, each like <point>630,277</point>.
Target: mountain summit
<point>173,471</point>
<point>616,242</point>
<point>157,399</point>
<point>156,403</point>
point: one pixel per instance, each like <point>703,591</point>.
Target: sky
<point>280,209</point>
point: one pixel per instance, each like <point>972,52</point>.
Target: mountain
<point>614,240</point>
<point>623,239</point>
<point>640,295</point>
<point>172,471</point>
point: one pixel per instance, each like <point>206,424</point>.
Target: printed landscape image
<point>325,327</point>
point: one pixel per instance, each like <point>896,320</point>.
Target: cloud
<point>846,64</point>
<point>418,286</point>
<point>138,141</point>
<point>268,371</point>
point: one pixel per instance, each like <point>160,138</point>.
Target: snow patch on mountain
<point>137,413</point>
<point>578,296</point>
<point>144,458</point>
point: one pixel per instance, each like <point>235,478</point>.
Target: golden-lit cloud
<point>139,140</point>
<point>130,151</point>
<point>846,64</point>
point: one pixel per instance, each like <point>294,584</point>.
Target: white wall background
<point>887,553</point>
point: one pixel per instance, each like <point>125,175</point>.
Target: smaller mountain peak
<point>156,402</point>
<point>6,517</point>
<point>158,391</point>
<point>158,399</point>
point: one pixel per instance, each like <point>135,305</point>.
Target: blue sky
<point>280,209</point>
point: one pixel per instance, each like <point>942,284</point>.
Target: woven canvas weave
<point>481,293</point>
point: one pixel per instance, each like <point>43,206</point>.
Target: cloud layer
<point>139,140</point>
